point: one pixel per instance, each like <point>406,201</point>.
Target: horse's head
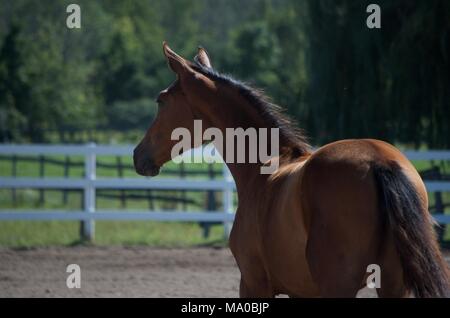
<point>175,110</point>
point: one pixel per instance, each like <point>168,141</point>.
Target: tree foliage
<point>317,58</point>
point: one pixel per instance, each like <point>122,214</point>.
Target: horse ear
<point>202,57</point>
<point>176,62</point>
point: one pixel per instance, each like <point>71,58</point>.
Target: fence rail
<point>90,183</point>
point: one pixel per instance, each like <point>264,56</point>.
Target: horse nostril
<point>135,154</point>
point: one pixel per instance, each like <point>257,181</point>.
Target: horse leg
<point>343,240</point>
<point>259,289</point>
<point>336,273</point>
<point>391,283</point>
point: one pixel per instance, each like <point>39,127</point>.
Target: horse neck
<point>232,111</point>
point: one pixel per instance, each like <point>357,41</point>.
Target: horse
<point>313,226</point>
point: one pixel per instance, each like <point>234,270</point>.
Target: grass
<point>20,234</point>
<point>49,233</point>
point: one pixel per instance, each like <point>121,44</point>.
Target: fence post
<point>42,175</point>
<point>88,226</point>
<point>66,175</point>
<point>227,200</point>
<point>210,202</point>
<point>123,198</point>
<point>439,205</point>
<point>14,174</point>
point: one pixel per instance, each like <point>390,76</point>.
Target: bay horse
<point>311,228</point>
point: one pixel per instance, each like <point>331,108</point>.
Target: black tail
<point>425,271</point>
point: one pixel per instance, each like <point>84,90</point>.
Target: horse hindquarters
<point>344,227</point>
<point>377,217</point>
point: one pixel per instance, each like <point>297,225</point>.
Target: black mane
<point>290,134</point>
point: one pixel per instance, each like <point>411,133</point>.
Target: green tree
<point>14,91</point>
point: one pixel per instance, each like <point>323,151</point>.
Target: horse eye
<point>159,102</point>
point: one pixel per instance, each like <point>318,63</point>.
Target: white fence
<point>90,183</point>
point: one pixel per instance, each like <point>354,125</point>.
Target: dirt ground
<point>121,272</point>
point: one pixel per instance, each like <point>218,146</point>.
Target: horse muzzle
<point>148,170</point>
<point>144,166</point>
